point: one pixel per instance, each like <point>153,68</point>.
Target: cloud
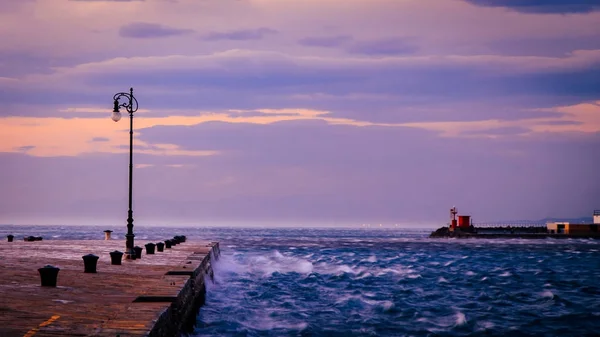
<point>100,139</point>
<point>13,5</point>
<point>143,30</point>
<point>555,46</point>
<point>310,171</point>
<point>376,47</point>
<point>542,6</point>
<point>391,89</point>
<point>240,35</point>
<point>107,0</point>
<point>56,137</point>
<point>389,46</point>
<point>351,162</point>
<point>327,41</point>
<point>413,90</point>
<point>501,131</point>
<point>25,148</point>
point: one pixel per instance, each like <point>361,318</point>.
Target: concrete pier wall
<point>180,316</point>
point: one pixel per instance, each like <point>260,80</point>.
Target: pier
<point>156,295</point>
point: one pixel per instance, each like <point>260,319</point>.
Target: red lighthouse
<point>453,213</point>
<point>464,221</point>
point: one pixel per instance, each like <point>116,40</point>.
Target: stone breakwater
<point>156,295</point>
<point>507,233</point>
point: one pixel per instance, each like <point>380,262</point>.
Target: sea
<point>383,282</point>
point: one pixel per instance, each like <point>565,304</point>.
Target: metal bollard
<point>150,248</point>
<point>107,234</point>
<point>168,243</point>
<point>10,237</point>
<point>160,246</point>
<point>115,257</point>
<point>48,275</point>
<point>89,263</point>
<point>138,252</point>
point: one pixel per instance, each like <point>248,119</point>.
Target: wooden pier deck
<point>168,286</point>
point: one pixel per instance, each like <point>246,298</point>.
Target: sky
<point>299,112</point>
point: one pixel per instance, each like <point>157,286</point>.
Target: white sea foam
<point>505,274</point>
<point>387,305</point>
<point>461,319</point>
<point>266,323</point>
<point>547,294</point>
<point>469,273</point>
<point>442,280</point>
<point>485,325</point>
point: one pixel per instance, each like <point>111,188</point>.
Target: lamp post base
<point>129,251</point>
<point>130,254</point>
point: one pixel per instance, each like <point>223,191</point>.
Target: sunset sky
<point>300,112</point>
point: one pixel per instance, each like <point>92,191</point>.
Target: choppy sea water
<point>373,282</point>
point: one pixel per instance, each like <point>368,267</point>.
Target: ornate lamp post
<point>131,105</point>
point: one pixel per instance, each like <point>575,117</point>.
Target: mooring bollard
<point>49,274</point>
<point>168,244</point>
<point>10,237</point>
<point>107,234</point>
<point>160,246</point>
<point>115,257</point>
<point>29,238</point>
<point>150,248</point>
<point>89,263</point>
<point>138,252</point>
<point>38,238</point>
<point>182,238</point>
<point>174,242</point>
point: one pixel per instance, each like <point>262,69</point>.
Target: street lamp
<point>131,105</point>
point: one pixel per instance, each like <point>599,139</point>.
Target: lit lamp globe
<point>116,115</point>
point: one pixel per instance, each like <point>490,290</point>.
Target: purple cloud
<point>327,41</point>
<point>106,0</point>
<point>560,123</point>
<point>26,148</point>
<point>378,47</point>
<point>383,47</point>
<point>339,173</point>
<point>142,30</point>
<point>11,5</point>
<point>502,131</point>
<point>542,6</point>
<point>240,35</point>
<point>100,139</point>
<point>555,46</point>
<point>399,89</point>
